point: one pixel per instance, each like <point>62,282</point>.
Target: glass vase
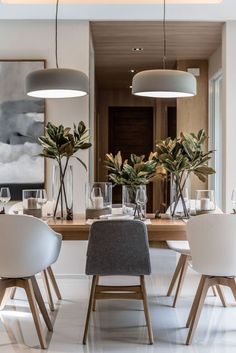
<point>132,203</point>
<point>98,199</point>
<point>180,193</point>
<point>205,201</point>
<point>62,192</point>
<point>30,203</point>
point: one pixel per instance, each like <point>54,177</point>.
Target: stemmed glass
<point>41,198</point>
<point>5,197</point>
<point>141,200</point>
<point>233,199</point>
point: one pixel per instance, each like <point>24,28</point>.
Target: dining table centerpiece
<point>61,144</point>
<point>182,157</point>
<point>133,174</point>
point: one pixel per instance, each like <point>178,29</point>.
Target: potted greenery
<point>60,144</point>
<point>132,174</point>
<point>182,157</point>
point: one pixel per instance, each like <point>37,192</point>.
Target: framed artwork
<point>21,123</point>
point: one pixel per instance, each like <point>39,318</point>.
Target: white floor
<point>118,326</point>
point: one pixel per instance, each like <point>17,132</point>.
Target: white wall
<point>229,112</point>
<point>35,40</point>
<point>92,127</point>
<point>215,62</point>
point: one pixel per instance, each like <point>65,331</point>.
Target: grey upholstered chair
<point>118,247</point>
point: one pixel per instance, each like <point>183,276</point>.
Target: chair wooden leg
<point>232,285</point>
<point>54,283</point>
<point>13,293</point>
<point>197,312</point>
<point>94,300</point>
<point>27,285</point>
<point>91,301</point>
<point>4,296</point>
<point>195,302</point>
<point>146,310</point>
<point>214,291</point>
<point>221,295</point>
<point>48,290</point>
<point>175,275</point>
<point>181,279</point>
<point>39,299</point>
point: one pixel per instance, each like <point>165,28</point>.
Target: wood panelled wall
<point>106,99</point>
<point>192,113</point>
<point>109,98</point>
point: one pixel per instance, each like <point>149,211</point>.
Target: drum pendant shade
<point>164,84</point>
<point>57,83</point>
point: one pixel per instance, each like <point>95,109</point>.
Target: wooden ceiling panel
<point>113,42</point>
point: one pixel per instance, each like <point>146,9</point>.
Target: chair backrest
<point>212,240</point>
<point>118,247</point>
<point>27,246</point>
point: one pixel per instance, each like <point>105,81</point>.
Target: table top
<point>158,229</point>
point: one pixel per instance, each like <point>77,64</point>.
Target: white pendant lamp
<point>164,83</point>
<point>57,82</point>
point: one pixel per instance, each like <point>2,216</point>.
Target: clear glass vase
<point>205,201</point>
<point>134,200</point>
<point>98,199</point>
<point>62,192</point>
<point>30,203</point>
<point>180,194</point>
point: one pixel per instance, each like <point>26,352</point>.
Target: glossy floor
<point>118,326</point>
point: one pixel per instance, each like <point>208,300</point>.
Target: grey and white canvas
<point>21,123</point>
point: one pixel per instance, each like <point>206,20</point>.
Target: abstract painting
<point>21,123</point>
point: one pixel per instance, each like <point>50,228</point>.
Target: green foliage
<point>136,172</point>
<point>60,141</point>
<point>185,154</point>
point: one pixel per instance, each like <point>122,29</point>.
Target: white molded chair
<point>27,246</point>
<point>182,247</point>
<point>213,249</point>
<point>47,274</point>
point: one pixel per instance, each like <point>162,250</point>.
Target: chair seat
<point>180,246</point>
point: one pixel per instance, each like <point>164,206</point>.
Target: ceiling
<point>177,10</point>
<point>113,42</point>
<point>112,1</point>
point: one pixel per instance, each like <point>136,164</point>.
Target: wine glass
<point>41,197</point>
<point>5,197</point>
<point>233,200</point>
<point>141,200</point>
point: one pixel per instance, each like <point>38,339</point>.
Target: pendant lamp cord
<point>56,39</point>
<point>164,34</point>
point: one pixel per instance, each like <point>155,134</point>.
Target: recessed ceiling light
<point>130,86</point>
<point>137,49</point>
<point>132,71</point>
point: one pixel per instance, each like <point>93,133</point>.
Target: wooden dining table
<point>158,229</point>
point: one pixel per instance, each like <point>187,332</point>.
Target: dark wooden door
<point>131,131</point>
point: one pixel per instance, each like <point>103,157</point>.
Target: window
<point>215,133</point>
